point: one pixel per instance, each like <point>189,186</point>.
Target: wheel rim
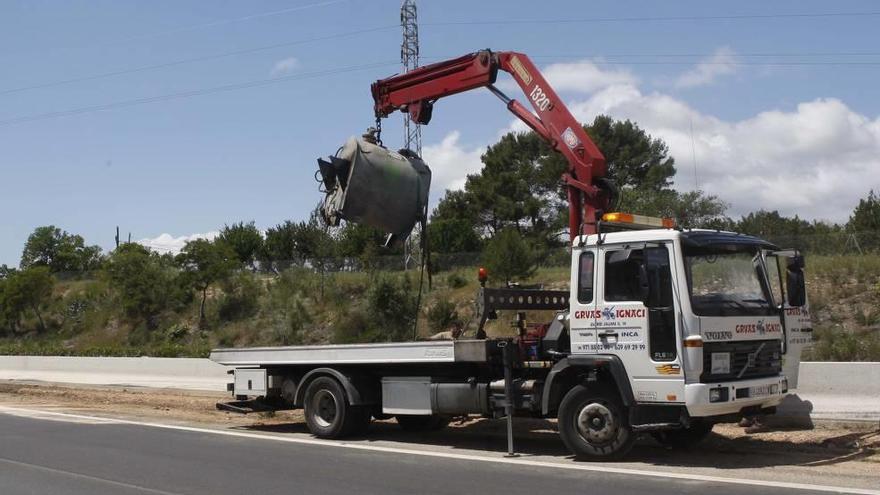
<point>324,408</point>
<point>596,423</point>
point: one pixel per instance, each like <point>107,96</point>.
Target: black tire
<point>593,424</point>
<point>684,438</point>
<point>422,422</point>
<point>327,411</point>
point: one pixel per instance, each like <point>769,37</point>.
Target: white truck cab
<point>698,318</point>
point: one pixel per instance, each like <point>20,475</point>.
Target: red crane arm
<point>416,91</point>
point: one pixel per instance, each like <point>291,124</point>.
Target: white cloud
<point>584,77</point>
<point>450,164</point>
<point>721,63</point>
<point>166,243</point>
<point>815,160</point>
<point>285,66</point>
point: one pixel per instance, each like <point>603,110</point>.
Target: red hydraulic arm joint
<point>416,91</point>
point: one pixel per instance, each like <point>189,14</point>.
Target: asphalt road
<point>39,456</point>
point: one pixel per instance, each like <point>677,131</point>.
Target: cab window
<point>622,274</point>
<point>585,278</point>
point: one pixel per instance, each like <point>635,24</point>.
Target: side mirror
<point>795,284</point>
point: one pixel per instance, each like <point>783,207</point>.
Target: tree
<point>206,263</point>
<point>509,257</point>
<point>865,221</point>
<point>354,240</point>
<point>634,158</point>
<point>145,283</point>
<point>520,183</point>
<point>60,251</point>
<point>770,223</point>
<point>5,271</point>
<point>693,209</point>
<point>279,247</point>
<point>245,239</point>
<point>453,235</point>
<point>27,289</point>
<point>315,243</point>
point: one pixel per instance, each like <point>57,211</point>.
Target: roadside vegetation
<point>304,283</point>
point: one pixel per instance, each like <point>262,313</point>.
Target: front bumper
<point>757,393</point>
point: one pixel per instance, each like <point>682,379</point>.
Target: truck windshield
<point>727,283</point>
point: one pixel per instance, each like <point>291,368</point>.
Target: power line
<point>706,54</point>
<point>234,20</point>
<point>189,94</point>
<point>605,61</point>
<point>655,19</point>
<point>175,63</point>
<point>205,25</point>
<point>246,51</point>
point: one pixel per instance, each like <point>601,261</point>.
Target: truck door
<point>583,302</point>
<point>785,274</point>
<point>637,319</point>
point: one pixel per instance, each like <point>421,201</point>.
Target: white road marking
<point>50,416</point>
<point>72,474</point>
<point>597,468</point>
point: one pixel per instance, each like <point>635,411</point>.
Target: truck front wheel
<point>593,424</point>
<point>328,413</point>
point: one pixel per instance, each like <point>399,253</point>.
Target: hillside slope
<point>303,307</point>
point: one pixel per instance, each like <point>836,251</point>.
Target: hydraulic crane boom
<point>416,91</point>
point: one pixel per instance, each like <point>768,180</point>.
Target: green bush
<point>509,257</point>
<point>291,328</point>
<point>353,327</point>
<point>455,280</point>
<point>834,344</point>
<point>145,284</point>
<point>241,297</point>
<point>388,313</point>
<point>442,315</point>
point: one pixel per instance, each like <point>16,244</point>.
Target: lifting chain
<point>379,131</point>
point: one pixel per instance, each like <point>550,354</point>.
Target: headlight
<point>720,363</point>
<point>718,394</point>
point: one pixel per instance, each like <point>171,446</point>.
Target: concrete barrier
<point>834,391</point>
<point>181,373</point>
<point>827,390</point>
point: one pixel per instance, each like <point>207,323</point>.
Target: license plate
<point>762,390</point>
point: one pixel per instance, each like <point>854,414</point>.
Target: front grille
<point>767,362</point>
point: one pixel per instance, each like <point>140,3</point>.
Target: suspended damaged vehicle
<point>366,183</point>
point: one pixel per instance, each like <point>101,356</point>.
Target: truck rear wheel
<point>593,424</point>
<point>422,423</point>
<point>328,413</point>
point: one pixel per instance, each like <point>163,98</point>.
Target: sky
<point>170,119</point>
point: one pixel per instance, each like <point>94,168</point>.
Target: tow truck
<point>663,330</point>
